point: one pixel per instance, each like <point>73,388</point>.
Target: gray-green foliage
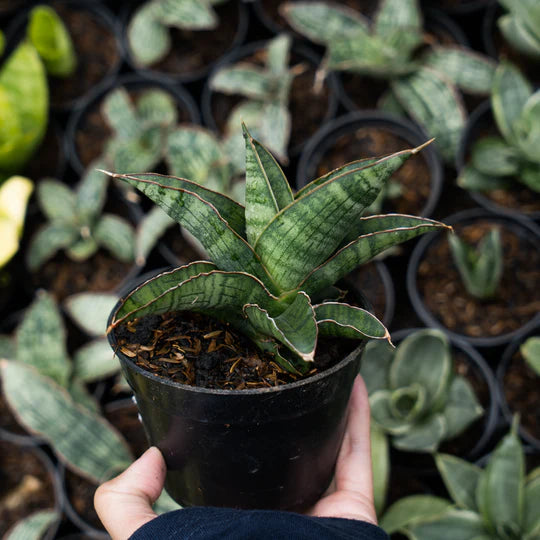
<point>498,502</point>
<point>530,350</point>
<point>265,109</point>
<point>414,394</point>
<point>34,526</point>
<point>499,161</point>
<point>521,26</point>
<point>76,222</point>
<point>274,259</point>
<point>480,267</point>
<point>148,34</point>
<point>140,130</point>
<point>424,82</point>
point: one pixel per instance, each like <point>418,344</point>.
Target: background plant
<point>530,350</point>
<point>480,268</point>
<point>424,81</point>
<point>521,26</point>
<point>499,161</point>
<point>148,31</point>
<point>279,306</point>
<point>497,502</point>
<point>414,394</point>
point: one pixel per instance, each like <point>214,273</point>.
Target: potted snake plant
<point>238,397</point>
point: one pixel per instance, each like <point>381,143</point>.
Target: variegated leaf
<point>245,79</point>
<point>274,128</point>
<point>472,179</point>
<point>142,154</point>
<point>117,236</point>
<point>520,36</point>
<point>267,188</point>
<point>472,72</point>
<point>531,509</point>
<point>187,14</point>
<point>492,156</point>
<point>460,478</point>
<point>119,112</point>
<point>462,407</point>
<point>150,229</point>
<point>95,361</point>
<point>83,439</point>
<point>305,233</point>
<point>530,176</point>
<point>56,201</point>
<point>527,129</point>
<point>47,241</point>
<point>422,437</point>
<point>91,310</point>
<point>91,193</point>
<point>156,107</point>
<point>148,39</point>
<point>82,249</point>
<point>434,103</point>
<point>527,11</point>
<point>383,416</point>
<point>81,396</point>
<point>408,403</point>
<point>41,339</point>
<point>451,525</point>
<point>7,347</point>
<point>277,54</point>
<point>34,526</point>
<point>376,360</point>
<point>380,463</point>
<point>295,327</point>
<point>377,233</point>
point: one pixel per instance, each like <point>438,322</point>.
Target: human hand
<point>350,495</point>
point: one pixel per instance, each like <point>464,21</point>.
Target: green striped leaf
<point>150,229</point>
<point>323,216</point>
<point>187,14</point>
<point>531,509</point>
<point>91,193</point>
<point>509,94</point>
<point>91,310</point>
<point>295,327</point>
<point>380,456</point>
<point>148,39</point>
<point>244,79</point>
<point>52,41</point>
<point>527,129</point>
<point>277,54</point>
<point>460,478</point>
<point>412,509</point>
<point>202,219</point>
<point>84,440</point>
<point>56,201</point>
<point>434,103</point>
<point>462,407</point>
<point>81,396</point>
<point>472,72</point>
<point>492,156</point>
<point>520,36</point>
<point>41,339</point>
<point>119,112</point>
<point>267,189</point>
<point>156,107</point>
<point>343,320</point>
<point>451,525</point>
<point>274,128</point>
<point>117,236</point>
<point>47,241</point>
<point>472,179</point>
<point>140,154</point>
<point>376,360</point>
<point>95,361</point>
<point>377,233</point>
<point>324,23</point>
<point>34,526</point>
<point>422,437</point>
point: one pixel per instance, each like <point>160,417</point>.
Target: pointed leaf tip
<point>422,146</point>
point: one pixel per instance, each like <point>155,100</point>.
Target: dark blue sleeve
<point>205,523</point>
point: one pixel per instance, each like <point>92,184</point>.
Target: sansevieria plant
<point>275,260</point>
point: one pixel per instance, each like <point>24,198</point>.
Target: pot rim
<point>427,317</point>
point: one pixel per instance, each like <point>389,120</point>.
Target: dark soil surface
<point>96,49</point>
<point>93,132</point>
<point>192,349</point>
<point>308,107</point>
<point>521,391</point>
<point>413,175</point>
<point>517,299</point>
<point>25,485</point>
<point>48,157</point>
<point>192,51</point>
<point>80,493</point>
<point>369,281</point>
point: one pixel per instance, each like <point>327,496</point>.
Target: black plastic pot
<point>349,123</point>
<point>132,81</point>
<point>179,77</point>
<point>17,32</point>
<point>479,120</point>
<point>247,50</point>
<point>523,228</point>
<point>467,8</point>
<point>502,370</point>
<point>256,448</point>
<point>484,428</point>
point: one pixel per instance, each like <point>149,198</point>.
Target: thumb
<point>124,503</point>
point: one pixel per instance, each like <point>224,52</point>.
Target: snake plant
<point>265,108</point>
<point>276,260</point>
<point>530,350</point>
<point>148,34</point>
<point>500,161</point>
<point>424,81</point>
<point>521,26</point>
<point>415,396</point>
<point>498,502</point>
<point>480,268</point>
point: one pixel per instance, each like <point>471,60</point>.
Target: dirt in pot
<point>96,49</point>
<point>196,350</point>
<point>25,485</point>
<point>308,106</point>
<point>80,494</point>
<point>521,392</point>
<point>192,51</point>
<point>516,301</point>
<point>413,177</point>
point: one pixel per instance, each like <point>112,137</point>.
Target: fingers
<point>125,503</point>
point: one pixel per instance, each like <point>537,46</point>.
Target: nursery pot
<point>257,448</point>
<point>480,120</point>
